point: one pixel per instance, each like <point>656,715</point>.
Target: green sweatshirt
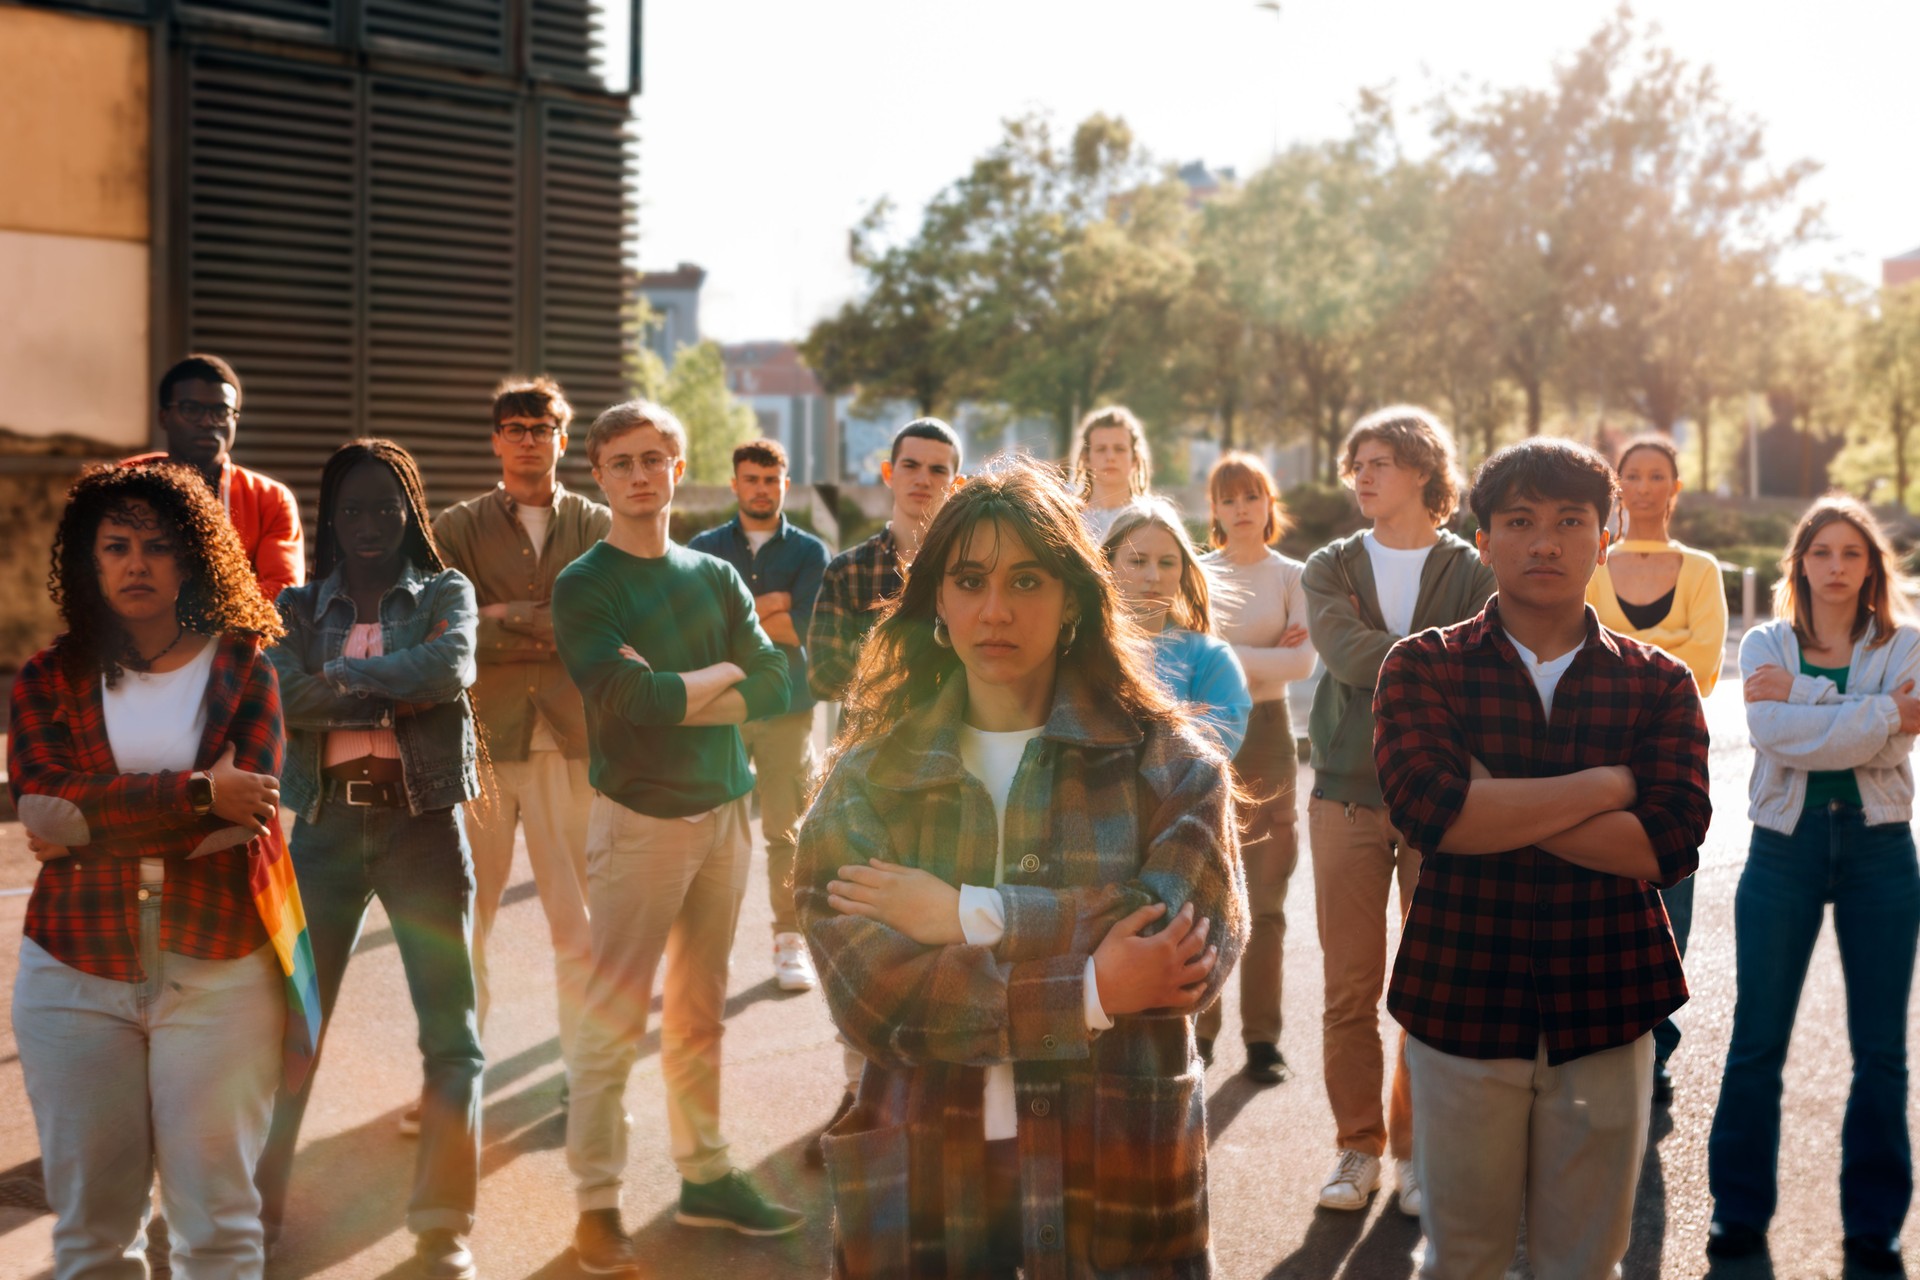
<point>680,612</point>
<point>1454,586</point>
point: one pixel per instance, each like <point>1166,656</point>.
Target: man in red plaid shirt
<point>1553,775</point>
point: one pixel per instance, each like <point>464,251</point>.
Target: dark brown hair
<point>761,453</point>
<point>419,545</point>
<point>901,669</point>
<point>1882,596</point>
<point>1543,467</point>
<point>1238,471</point>
<point>218,592</point>
<point>531,398</point>
<point>209,368</point>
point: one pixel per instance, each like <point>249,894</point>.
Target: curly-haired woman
<point>149,1006</point>
<point>382,751</point>
<point>1019,880</point>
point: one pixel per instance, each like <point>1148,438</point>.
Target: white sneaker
<point>792,966</point>
<point>1355,1176</point>
<point>1407,1178</point>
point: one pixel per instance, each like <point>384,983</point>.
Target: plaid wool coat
<point>1105,815</point>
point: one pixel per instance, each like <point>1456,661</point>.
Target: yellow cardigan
<point>1694,630</point>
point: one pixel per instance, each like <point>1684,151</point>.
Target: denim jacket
<point>427,628</point>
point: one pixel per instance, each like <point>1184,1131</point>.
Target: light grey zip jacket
<point>1820,728</point>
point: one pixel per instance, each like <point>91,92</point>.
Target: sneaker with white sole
<point>1406,1178</point>
<point>409,1124</point>
<point>733,1202</point>
<point>1354,1178</point>
<point>792,966</point>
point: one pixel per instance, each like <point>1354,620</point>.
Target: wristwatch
<point>200,793</point>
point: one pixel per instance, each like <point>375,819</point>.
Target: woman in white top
<point>149,1007</point>
<point>1829,686</point>
<point>1112,467</point>
<point>1263,615</point>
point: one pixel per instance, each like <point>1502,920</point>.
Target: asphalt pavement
<point>1270,1147</point>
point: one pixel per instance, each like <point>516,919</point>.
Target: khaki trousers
<point>548,795</point>
<point>656,886</point>
<point>1268,766</point>
<point>781,749</point>
<point>1500,1136</point>
<point>1357,858</point>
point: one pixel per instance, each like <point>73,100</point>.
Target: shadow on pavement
<point>1225,1104</point>
<point>1650,1205</point>
<point>1329,1239</point>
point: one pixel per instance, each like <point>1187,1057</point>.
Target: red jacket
<point>267,519</point>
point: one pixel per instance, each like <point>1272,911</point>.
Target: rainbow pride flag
<point>276,894</point>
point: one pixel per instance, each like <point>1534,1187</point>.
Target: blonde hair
<point>1419,440</point>
<point>1883,601</point>
<point>1192,608</point>
<point>1238,471</point>
<point>1141,477</point>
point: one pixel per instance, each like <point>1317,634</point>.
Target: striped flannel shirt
<point>1501,951</point>
<point>85,908</point>
<point>1104,816</point>
<point>858,584</point>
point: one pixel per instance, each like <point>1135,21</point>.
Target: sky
<point>767,127</point>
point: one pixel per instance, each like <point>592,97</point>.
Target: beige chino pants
<point>656,887</point>
<point>548,795</point>
<point>1497,1137</point>
<point>1357,859</point>
<point>781,749</point>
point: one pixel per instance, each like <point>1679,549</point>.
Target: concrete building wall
<point>75,229</point>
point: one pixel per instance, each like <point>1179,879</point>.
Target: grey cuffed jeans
<point>173,1075</point>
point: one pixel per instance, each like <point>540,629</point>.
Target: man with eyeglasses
<point>667,648</point>
<point>513,541</point>
<point>199,415</point>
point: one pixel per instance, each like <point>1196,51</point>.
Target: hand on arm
<point>915,902</point>
<point>1511,813</point>
<point>1166,971</point>
<point>243,798</point>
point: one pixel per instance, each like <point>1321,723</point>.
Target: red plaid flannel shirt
<point>1502,950</point>
<point>857,585</point>
<point>85,907</point>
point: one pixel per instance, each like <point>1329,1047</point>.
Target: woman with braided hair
<point>382,751</point>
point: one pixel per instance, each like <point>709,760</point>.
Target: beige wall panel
<point>73,337</point>
<point>75,125</point>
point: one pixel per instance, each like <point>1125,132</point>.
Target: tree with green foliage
<point>1888,368</point>
<point>695,388</point>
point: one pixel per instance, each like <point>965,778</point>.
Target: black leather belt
<point>364,794</point>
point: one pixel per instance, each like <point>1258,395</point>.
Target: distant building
<point>1904,269</point>
<point>675,298</point>
<point>1202,183</point>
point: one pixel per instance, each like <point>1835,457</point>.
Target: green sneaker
<point>734,1203</point>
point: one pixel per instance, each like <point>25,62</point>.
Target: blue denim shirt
<point>792,560</point>
<point>428,627</point>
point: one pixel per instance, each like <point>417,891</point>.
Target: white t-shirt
<point>994,758</point>
<point>758,538</point>
<point>1546,675</point>
<point>155,723</point>
<point>535,521</point>
<point>1396,581</point>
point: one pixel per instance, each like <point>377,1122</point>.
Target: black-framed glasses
<point>539,432</point>
<point>219,415</point>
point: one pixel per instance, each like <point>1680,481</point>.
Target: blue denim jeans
<point>421,869</point>
<point>1870,876</point>
<point>173,1075</point>
<point>1679,901</point>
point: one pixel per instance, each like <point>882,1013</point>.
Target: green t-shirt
<point>1827,785</point>
<point>680,612</point>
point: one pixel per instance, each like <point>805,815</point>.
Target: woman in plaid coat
<point>1019,880</point>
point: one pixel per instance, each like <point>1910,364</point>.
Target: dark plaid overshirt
<point>85,908</point>
<point>1502,950</point>
<point>1104,816</point>
<point>858,583</point>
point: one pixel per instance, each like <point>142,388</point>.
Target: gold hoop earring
<point>940,636</point>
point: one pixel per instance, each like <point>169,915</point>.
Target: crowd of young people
<point>1058,813</point>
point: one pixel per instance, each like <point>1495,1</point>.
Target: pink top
<point>350,744</point>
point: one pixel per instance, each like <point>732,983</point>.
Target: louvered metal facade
<point>375,209</point>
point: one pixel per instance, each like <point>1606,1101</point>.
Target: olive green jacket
<point>1353,642</point>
